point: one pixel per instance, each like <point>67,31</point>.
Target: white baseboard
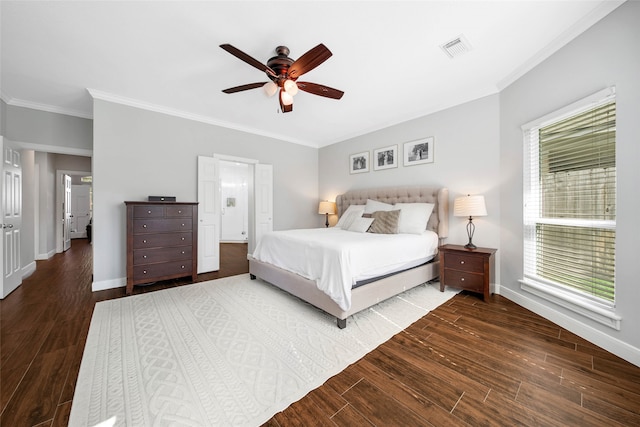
<point>42,257</point>
<point>607,342</point>
<point>109,284</point>
<point>28,270</point>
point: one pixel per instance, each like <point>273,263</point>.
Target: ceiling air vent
<point>456,47</point>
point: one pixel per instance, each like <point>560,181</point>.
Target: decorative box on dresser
<point>469,269</point>
<point>162,241</point>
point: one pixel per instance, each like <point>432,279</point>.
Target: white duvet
<point>336,259</point>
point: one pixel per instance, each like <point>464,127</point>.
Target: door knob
<point>7,226</point>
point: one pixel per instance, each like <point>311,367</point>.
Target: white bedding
<point>336,259</point>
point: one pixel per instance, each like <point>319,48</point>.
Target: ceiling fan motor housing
<point>280,64</point>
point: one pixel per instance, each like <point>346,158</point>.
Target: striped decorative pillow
<point>385,222</point>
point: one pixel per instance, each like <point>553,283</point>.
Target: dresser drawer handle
<point>182,252</point>
<point>144,256</point>
<point>183,225</point>
<point>148,212</point>
<point>144,225</point>
<point>182,266</point>
<point>144,241</point>
<point>144,271</point>
<point>179,211</point>
<point>183,238</point>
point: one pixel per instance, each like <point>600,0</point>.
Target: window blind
<point>570,201</point>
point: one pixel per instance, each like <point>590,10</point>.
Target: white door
<point>263,175</point>
<point>11,219</point>
<point>66,213</point>
<point>208,214</point>
<point>80,211</point>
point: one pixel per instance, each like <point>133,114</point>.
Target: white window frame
<point>583,304</point>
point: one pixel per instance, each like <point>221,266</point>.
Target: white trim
<point>55,149</point>
<point>28,270</point>
<point>103,285</point>
<point>96,94</point>
<point>567,36</point>
<point>572,302</point>
<point>15,102</point>
<point>226,158</point>
<point>599,338</point>
<point>42,257</point>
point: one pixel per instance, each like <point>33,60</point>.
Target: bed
<point>367,291</point>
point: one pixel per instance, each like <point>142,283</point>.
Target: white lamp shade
<point>270,88</point>
<point>291,87</point>
<point>469,206</point>
<point>327,208</point>
<point>286,98</point>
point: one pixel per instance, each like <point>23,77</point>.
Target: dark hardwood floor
<point>466,363</point>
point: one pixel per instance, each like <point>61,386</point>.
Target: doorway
<point>234,181</point>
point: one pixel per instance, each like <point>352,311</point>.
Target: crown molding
<point>15,102</point>
<point>602,10</point>
<point>104,96</point>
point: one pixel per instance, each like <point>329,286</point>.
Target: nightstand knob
<point>461,262</point>
<point>462,279</point>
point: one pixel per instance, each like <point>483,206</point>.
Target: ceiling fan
<point>283,73</point>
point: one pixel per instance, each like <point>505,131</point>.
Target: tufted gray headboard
<point>439,220</point>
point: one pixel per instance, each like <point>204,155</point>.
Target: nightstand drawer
<point>468,281</point>
<point>464,262</point>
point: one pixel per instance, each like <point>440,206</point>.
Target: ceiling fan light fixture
<point>270,88</point>
<point>287,99</point>
<point>290,87</point>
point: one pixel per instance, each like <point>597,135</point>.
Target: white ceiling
<point>165,56</point>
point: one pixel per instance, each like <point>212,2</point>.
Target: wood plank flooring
<point>467,363</point>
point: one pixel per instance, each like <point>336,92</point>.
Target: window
<point>570,202</point>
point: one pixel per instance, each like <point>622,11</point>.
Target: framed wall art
<point>385,158</point>
<point>359,162</point>
<point>418,152</point>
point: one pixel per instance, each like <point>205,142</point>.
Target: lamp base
<point>470,246</point>
<point>326,224</point>
<point>471,228</point>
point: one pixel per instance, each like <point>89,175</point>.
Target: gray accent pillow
<point>385,222</point>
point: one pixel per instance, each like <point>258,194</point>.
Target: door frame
<point>60,200</point>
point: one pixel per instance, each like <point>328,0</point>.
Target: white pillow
<point>360,225</point>
<point>413,217</point>
<point>374,206</point>
<point>352,212</point>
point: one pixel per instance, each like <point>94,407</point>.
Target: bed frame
<point>372,293</point>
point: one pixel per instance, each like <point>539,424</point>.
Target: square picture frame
<point>418,152</point>
<point>385,158</point>
<point>359,162</point>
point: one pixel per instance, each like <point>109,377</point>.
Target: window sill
<point>572,302</point>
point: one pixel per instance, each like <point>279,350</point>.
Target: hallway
<point>44,325</point>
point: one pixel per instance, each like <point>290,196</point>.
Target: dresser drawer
<point>163,269</point>
<point>148,256</point>
<point>148,211</point>
<point>464,280</point>
<point>141,241</point>
<point>179,211</point>
<point>464,262</point>
<point>161,225</point>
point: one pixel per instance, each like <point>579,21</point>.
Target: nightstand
<point>469,269</point>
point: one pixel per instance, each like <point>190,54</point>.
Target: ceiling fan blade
<point>309,61</point>
<point>243,87</point>
<point>321,90</point>
<point>248,59</point>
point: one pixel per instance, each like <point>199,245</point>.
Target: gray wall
<point>606,54</point>
<point>138,153</point>
<point>466,161</point>
<point>30,126</point>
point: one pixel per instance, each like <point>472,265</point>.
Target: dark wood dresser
<point>162,241</point>
<point>469,269</point>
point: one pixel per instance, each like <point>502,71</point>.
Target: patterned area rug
<point>229,352</point>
